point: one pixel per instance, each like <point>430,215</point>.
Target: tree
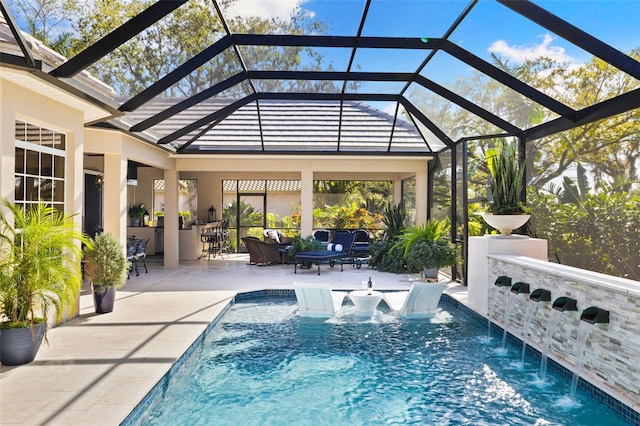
<point>46,19</point>
<point>186,32</point>
<point>608,148</point>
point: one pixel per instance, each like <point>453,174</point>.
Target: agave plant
<point>506,180</point>
<point>394,217</point>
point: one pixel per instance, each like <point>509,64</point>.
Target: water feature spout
<point>564,304</point>
<point>520,288</point>
<point>503,281</point>
<point>540,295</point>
<point>595,315</point>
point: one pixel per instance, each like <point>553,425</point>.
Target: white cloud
<point>266,9</point>
<point>390,108</point>
<point>519,54</point>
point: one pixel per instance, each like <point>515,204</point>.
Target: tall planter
<point>20,345</point>
<point>39,272</point>
<point>104,299</point>
<point>505,223</point>
<point>106,269</point>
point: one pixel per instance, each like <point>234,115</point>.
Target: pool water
<point>262,364</point>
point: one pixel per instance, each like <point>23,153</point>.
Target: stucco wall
<point>610,359</point>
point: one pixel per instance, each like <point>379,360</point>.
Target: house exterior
<point>41,119</point>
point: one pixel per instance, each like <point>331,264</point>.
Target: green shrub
<point>431,254</point>
<point>106,263</point>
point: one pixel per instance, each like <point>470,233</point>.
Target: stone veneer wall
<point>611,358</point>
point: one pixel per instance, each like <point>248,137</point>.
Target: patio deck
<point>96,368</point>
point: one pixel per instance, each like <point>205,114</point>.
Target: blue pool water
<point>264,365</point>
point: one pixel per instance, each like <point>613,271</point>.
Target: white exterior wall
<point>18,103</point>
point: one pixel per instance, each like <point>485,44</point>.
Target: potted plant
<point>106,268</point>
<point>426,248</point>
<point>136,213</point>
<point>506,175</point>
<point>39,270</point>
<point>429,256</point>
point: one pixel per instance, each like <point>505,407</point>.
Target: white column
<point>171,232</point>
<point>422,189</point>
<point>115,196</point>
<point>478,272</point>
<point>397,191</point>
<point>306,200</point>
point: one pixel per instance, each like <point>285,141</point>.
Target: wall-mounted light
<point>99,182</point>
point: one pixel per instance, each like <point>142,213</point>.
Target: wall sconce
<point>99,182</point>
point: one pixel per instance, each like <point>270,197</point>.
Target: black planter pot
<point>104,300</point>
<point>19,346</point>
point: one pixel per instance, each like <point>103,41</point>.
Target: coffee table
<point>365,301</point>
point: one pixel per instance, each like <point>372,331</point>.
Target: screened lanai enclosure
<point>382,79</point>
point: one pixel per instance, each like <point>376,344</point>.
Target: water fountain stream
<point>501,281</point>
<point>590,316</point>
<point>560,305</point>
<point>583,331</point>
<point>537,296</point>
<point>516,289</point>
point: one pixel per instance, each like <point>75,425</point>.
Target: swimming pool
<point>264,365</point>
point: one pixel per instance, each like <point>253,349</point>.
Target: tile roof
<point>288,125</point>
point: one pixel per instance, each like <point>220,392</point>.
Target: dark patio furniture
<point>344,241</point>
<point>262,252</point>
<point>361,247</point>
<point>215,239</point>
<point>132,251</point>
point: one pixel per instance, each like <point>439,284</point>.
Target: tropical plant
<point>598,234</point>
<point>345,217</point>
<point>506,180</point>
<point>136,212</point>
<point>388,257</point>
<point>432,230</point>
<point>106,264</point>
<point>576,191</point>
<point>301,244</point>
<point>394,218</point>
<point>431,255</point>
<point>40,264</point>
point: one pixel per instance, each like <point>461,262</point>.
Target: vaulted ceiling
<point>366,96</point>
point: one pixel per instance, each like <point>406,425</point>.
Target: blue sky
<point>614,21</point>
<point>489,28</point>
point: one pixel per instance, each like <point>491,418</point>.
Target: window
<point>40,165</point>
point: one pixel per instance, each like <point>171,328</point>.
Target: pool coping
<point>626,413</point>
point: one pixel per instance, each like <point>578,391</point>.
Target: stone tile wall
<point>611,358</point>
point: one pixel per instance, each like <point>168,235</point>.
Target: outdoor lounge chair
<point>318,300</point>
<point>261,252</point>
<point>339,249</point>
<point>421,301</point>
<point>361,244</point>
<point>322,235</point>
